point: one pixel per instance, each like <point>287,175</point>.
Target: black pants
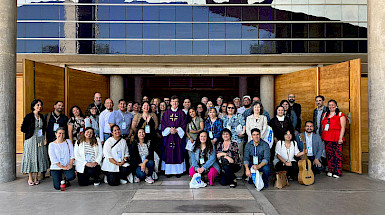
<point>57,176</point>
<point>113,178</point>
<point>89,172</point>
<point>292,171</point>
<point>228,173</point>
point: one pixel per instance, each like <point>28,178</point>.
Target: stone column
<point>242,87</point>
<point>266,90</point>
<point>116,89</point>
<point>8,90</point>
<point>376,75</point>
<point>138,89</point>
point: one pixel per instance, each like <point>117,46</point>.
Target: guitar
<point>305,175</point>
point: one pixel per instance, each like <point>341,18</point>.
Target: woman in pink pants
<point>204,159</point>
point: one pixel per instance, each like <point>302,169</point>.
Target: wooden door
<point>341,82</point>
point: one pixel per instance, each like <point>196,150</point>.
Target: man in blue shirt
<point>257,156</point>
<point>123,119</point>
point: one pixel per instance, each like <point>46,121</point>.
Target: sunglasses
<point>230,107</point>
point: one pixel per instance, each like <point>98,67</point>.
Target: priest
<point>173,131</point>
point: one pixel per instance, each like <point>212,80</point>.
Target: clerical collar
<point>174,110</point>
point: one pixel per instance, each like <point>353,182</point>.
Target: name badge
<point>55,126</point>
<point>143,158</point>
<point>201,161</point>
<point>124,125</point>
<point>119,153</point>
<point>62,161</point>
<point>147,129</point>
<point>88,157</point>
<point>310,150</point>
<point>326,127</point>
<point>255,160</point>
<point>39,132</point>
<point>211,135</point>
<point>81,129</point>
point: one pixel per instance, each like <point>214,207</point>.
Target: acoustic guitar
<point>305,175</point>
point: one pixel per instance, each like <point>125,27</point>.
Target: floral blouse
<point>77,125</point>
<point>232,124</point>
<point>232,151</point>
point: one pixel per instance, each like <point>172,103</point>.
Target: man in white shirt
<point>186,105</point>
<point>246,104</point>
<point>104,126</point>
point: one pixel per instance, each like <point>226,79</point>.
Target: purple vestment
<point>173,145</point>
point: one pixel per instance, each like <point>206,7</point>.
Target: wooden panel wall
<point>305,91</point>
<point>28,85</point>
<point>355,111</point>
<point>49,85</point>
<point>334,84</point>
<point>364,114</point>
<point>19,113</point>
<point>82,86</point>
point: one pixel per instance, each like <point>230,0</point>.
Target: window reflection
<point>217,47</point>
<point>151,47</point>
<point>167,47</point>
<point>233,47</point>
<point>134,47</point>
<point>200,47</point>
<point>184,48</point>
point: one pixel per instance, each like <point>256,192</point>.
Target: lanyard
<point>255,150</point>
<point>121,113</point>
<point>212,125</point>
<point>97,107</point>
<point>56,118</point>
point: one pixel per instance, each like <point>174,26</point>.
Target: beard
<point>291,100</point>
<point>247,106</point>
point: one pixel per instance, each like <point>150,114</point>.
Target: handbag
<point>196,181</point>
<point>257,179</point>
<point>269,136</point>
<point>281,180</point>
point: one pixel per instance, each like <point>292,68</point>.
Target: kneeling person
<point>203,159</point>
<point>257,156</point>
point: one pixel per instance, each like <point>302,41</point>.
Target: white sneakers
<point>122,181</point>
<point>136,179</point>
<point>130,178</point>
<point>105,179</point>
<point>329,174</point>
<point>96,183</point>
<point>149,180</point>
<point>336,176</point>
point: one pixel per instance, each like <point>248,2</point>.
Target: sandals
<point>30,183</point>
<point>37,182</point>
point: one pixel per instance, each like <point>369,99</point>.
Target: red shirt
<point>333,133</point>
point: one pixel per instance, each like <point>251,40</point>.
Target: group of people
<point>139,139</point>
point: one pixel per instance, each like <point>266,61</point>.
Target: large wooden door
<point>341,82</point>
<point>53,83</point>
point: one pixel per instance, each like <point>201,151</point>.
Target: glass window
<point>117,47</point>
<point>350,31</point>
<point>350,46</point>
<point>184,48</point>
<point>33,46</point>
<point>134,47</point>
<point>316,30</point>
<point>267,47</point>
<point>200,14</point>
<point>283,47</point>
<point>151,47</point>
<point>233,47</point>
<point>150,30</point>
<point>184,13</point>
<point>317,12</point>
<point>62,14</point>
<point>217,14</point>
<point>134,13</point>
<point>134,31</point>
<point>283,30</point>
<point>250,47</point>
<point>282,15</point>
<point>333,12</point>
<point>33,30</point>
<point>316,46</point>
<point>166,31</point>
<point>167,13</point>
<point>250,31</point>
<point>150,13</point>
<point>217,48</point>
<point>50,12</point>
<point>85,46</point>
<point>201,31</point>
<point>50,29</point>
<point>21,29</point>
<point>102,47</point>
<point>363,32</point>
<point>117,13</point>
<point>363,46</point>
<point>167,47</point>
<point>233,14</point>
<point>333,30</point>
<point>250,13</point>
<point>234,30</point>
<point>333,46</point>
<point>21,12</point>
<point>50,46</point>
<point>266,13</point>
<point>300,30</point>
<point>103,13</point>
<point>299,46</point>
<point>20,46</point>
<point>200,47</point>
<point>217,31</point>
<point>102,30</point>
<point>32,12</point>
<point>300,12</point>
<point>266,31</point>
<point>350,12</point>
<point>184,31</point>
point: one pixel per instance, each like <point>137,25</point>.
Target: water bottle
<point>63,185</point>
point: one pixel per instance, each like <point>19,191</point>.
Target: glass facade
<point>192,27</point>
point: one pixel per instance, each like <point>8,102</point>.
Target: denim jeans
<point>265,174</point>
<point>106,136</point>
<point>150,165</point>
<point>57,176</point>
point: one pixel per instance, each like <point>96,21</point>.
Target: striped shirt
<point>89,152</point>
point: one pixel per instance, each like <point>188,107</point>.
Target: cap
<point>247,97</point>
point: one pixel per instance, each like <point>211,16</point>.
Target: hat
<point>247,97</point>
<point>236,98</point>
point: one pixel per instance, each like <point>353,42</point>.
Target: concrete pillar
<point>376,76</point>
<point>8,90</point>
<point>116,89</point>
<point>242,87</point>
<point>138,89</point>
<point>267,93</point>
<point>69,46</point>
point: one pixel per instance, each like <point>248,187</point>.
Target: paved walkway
<point>351,194</point>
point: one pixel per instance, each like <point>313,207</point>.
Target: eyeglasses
<point>224,106</point>
<point>230,107</point>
